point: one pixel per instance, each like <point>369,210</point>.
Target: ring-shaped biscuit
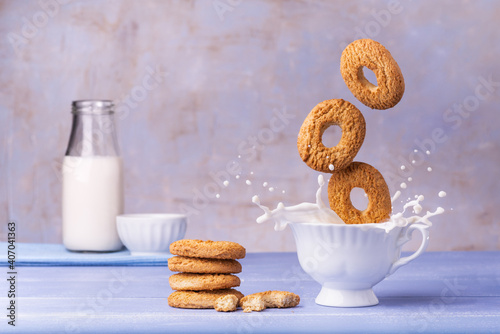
<point>360,175</point>
<point>325,114</point>
<point>373,55</point>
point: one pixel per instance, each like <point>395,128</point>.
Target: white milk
<point>92,198</point>
<point>320,213</point>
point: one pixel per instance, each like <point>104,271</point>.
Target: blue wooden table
<point>447,292</point>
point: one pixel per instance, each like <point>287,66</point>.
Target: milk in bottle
<point>92,180</point>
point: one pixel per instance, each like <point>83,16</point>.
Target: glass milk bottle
<point>92,180</point>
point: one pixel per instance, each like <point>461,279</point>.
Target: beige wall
<point>225,70</point>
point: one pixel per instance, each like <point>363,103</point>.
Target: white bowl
<point>348,260</point>
<point>150,233</point>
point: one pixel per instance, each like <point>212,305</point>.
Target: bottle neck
<point>93,133</point>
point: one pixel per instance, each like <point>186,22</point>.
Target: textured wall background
<point>230,75</point>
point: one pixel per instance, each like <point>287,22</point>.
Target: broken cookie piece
<point>253,302</point>
<point>227,303</point>
<point>269,299</point>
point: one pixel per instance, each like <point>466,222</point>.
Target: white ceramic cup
<point>150,233</point>
<point>348,260</point>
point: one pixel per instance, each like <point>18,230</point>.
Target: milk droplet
<point>264,184</point>
<point>396,196</point>
<point>328,157</point>
<point>239,156</point>
<point>237,176</point>
<point>271,189</point>
<point>427,152</point>
<point>410,179</point>
<point>403,167</point>
<point>251,173</point>
<point>331,167</point>
<point>283,192</point>
<point>248,182</point>
<point>403,185</point>
<point>225,183</point>
<point>442,194</point>
<point>413,161</point>
<point>415,150</point>
<point>217,195</point>
<point>429,169</point>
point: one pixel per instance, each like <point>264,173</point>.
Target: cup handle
<point>424,229</point>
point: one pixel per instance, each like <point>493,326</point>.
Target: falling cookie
<point>360,175</point>
<point>325,114</point>
<point>373,55</point>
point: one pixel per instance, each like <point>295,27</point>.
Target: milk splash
<point>307,213</point>
<point>302,213</point>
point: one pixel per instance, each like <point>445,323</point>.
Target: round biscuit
<point>208,249</point>
<point>188,281</point>
<point>199,299</point>
<point>203,266</point>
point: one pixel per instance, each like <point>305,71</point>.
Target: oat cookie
<point>188,281</point>
<point>199,299</point>
<point>373,55</point>
<point>203,266</point>
<point>208,249</point>
<point>325,114</point>
<point>361,175</point>
<point>269,299</point>
<point>226,303</point>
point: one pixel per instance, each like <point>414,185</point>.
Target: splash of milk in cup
<point>320,213</point>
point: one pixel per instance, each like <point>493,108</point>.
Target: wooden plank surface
<point>439,292</point>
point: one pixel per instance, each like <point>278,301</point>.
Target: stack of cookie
<point>206,271</point>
